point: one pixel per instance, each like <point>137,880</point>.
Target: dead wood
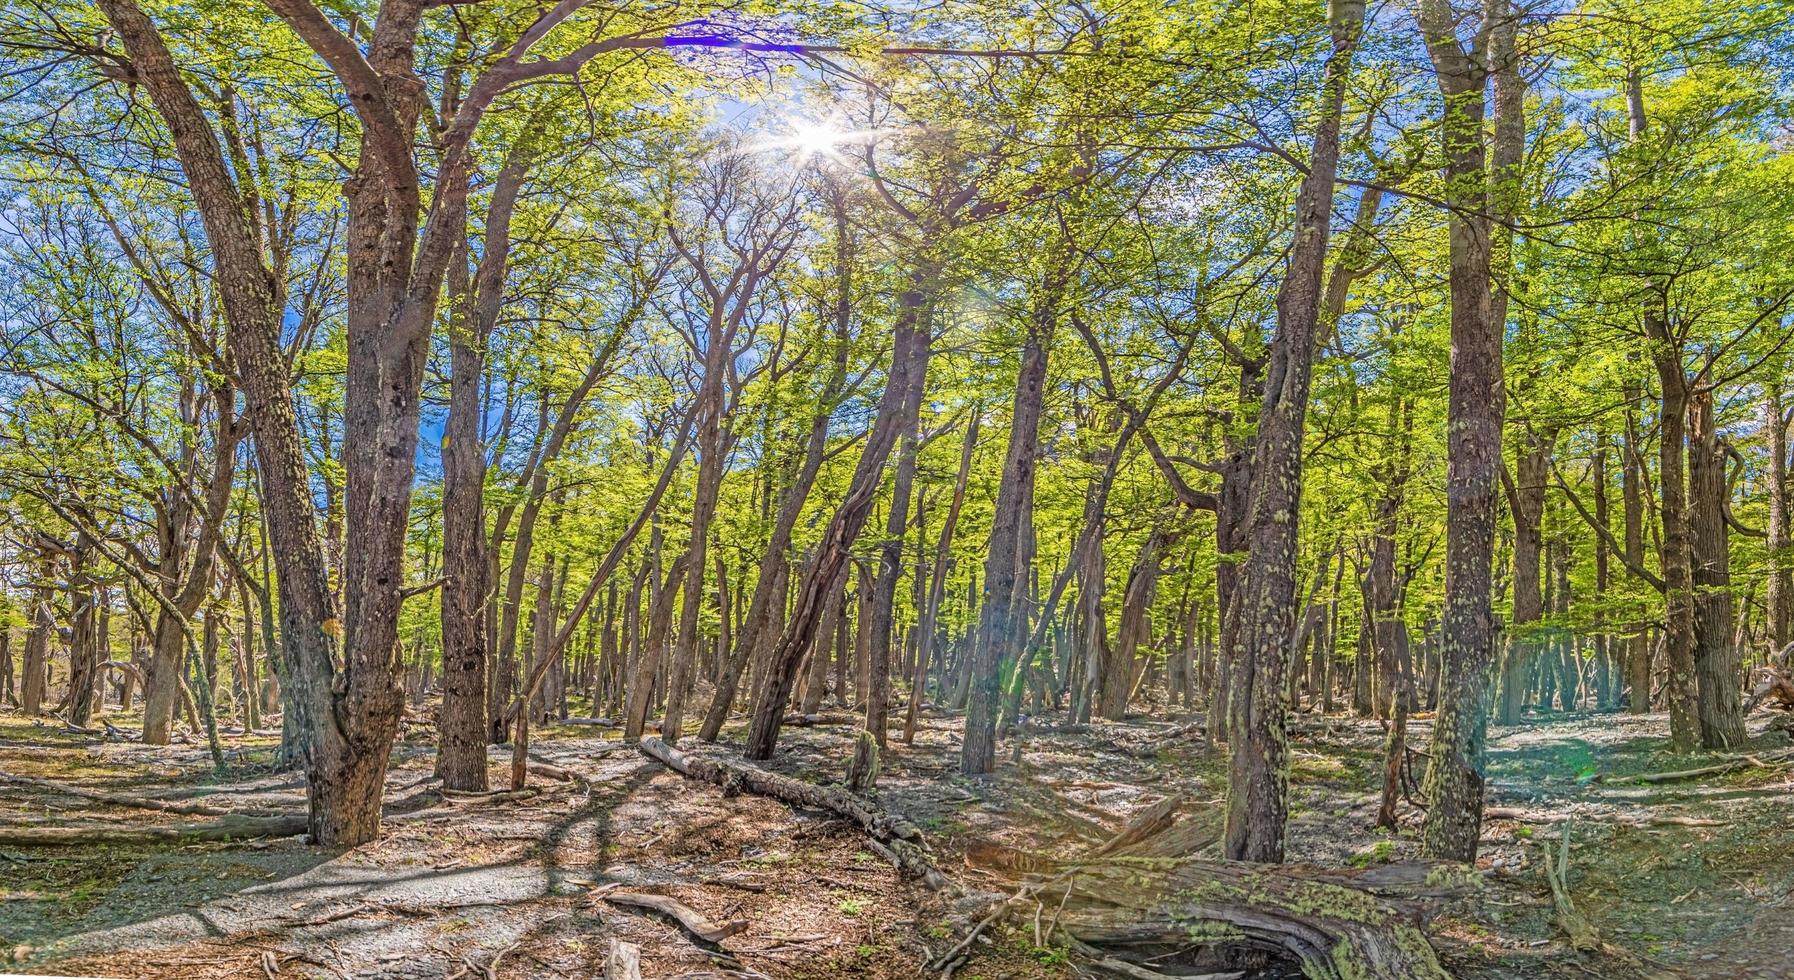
<point>826,718</point>
<point>1522,815</point>
<point>1741,762</point>
<point>1143,893</point>
<point>894,837</point>
<point>1150,822</point>
<point>1321,919</point>
<point>1576,927</point>
<point>623,962</point>
<point>1775,684</point>
<point>548,770</point>
<point>690,919</point>
<point>233,827</point>
<point>129,800</point>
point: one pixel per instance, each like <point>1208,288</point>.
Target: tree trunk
<point>1258,767</point>
<point>927,628</point>
<point>1676,555</point>
<point>466,564</point>
<point>1717,661</point>
<point>880,623</point>
<point>998,629</point>
<point>1454,780</point>
<point>641,681</point>
<point>1780,581</point>
<point>1638,642</point>
<point>712,455</point>
<point>909,361</point>
<point>1526,501</point>
<point>760,628</point>
<point>84,642</point>
<point>9,691</point>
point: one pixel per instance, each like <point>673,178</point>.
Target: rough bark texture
<point>1454,780</point>
<point>998,627</point>
<point>1259,775</point>
<point>1779,588</point>
<point>1717,661</point>
<point>1526,501</point>
<point>1676,554</point>
<point>466,565</point>
<point>309,627</point>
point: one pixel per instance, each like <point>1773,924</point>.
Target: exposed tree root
<point>1334,929</point>
<point>1141,892</point>
<point>1576,927</point>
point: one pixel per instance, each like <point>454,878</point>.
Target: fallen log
<point>898,839</point>
<point>1774,684</point>
<point>826,718</point>
<point>1145,825</point>
<point>128,800</point>
<point>233,827</point>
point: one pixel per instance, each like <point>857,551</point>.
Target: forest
<point>882,488</point>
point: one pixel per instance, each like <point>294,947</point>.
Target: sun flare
<point>811,139</point>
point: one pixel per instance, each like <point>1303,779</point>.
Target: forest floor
<point>1691,875</point>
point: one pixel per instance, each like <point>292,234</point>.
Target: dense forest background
<point>482,364</point>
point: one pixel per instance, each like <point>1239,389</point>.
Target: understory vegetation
<point>785,489</point>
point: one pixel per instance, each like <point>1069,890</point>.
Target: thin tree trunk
<point>1526,501</point>
<point>927,628</point>
<point>909,360</point>
<point>466,564</point>
<point>997,627</point>
<point>1638,642</point>
<point>1779,597</point>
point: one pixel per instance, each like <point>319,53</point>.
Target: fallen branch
<point>1150,822</point>
<point>898,839</point>
<point>1576,927</point>
<point>689,919</point>
<point>1741,762</point>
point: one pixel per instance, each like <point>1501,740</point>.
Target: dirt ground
<point>1691,877</point>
